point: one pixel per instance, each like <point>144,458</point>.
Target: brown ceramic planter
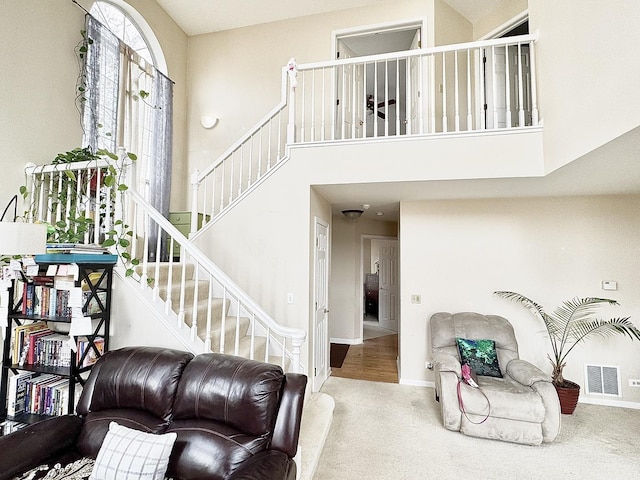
<point>568,395</point>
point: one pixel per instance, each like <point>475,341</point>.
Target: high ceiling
<point>594,174</point>
<point>204,16</point>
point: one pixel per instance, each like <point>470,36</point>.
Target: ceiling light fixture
<point>352,214</point>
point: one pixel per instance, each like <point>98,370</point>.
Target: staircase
<point>204,308</point>
<point>233,335</point>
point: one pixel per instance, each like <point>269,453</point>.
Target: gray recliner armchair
<point>520,407</point>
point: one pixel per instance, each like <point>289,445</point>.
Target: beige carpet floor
<point>390,431</point>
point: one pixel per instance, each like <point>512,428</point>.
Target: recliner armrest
<point>445,362</point>
<point>526,373</point>
<point>36,444</point>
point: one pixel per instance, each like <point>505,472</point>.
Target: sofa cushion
<point>143,378</point>
<point>96,425</point>
<point>128,454</point>
<point>239,392</point>
<point>210,449</point>
<point>507,398</point>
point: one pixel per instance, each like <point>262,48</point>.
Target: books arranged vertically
<point>35,344</point>
<point>88,248</point>
<point>49,296</point>
<point>41,394</point>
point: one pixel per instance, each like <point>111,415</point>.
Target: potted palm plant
<point>570,324</point>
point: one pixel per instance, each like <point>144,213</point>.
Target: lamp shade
<point>17,238</point>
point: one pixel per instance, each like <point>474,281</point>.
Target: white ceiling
<point>196,17</point>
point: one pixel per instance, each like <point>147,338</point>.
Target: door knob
<point>326,310</point>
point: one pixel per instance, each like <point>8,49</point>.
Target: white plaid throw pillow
<point>128,454</point>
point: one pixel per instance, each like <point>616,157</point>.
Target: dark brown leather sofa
<point>234,418</point>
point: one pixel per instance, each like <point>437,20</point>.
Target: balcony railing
<point>470,87</point>
<point>454,88</point>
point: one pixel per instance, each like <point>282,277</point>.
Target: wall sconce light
<point>352,214</point>
<point>208,121</point>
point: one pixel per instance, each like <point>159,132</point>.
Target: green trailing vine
<point>76,223</point>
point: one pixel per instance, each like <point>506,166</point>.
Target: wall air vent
<point>603,380</point>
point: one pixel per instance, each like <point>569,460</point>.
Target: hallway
<point>374,360</point>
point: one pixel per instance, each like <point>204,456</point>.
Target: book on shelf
<point>21,339</point>
<point>17,393</point>
<point>10,426</point>
<point>91,357</point>
<point>54,302</point>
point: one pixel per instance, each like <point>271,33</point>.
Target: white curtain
<point>128,103</point>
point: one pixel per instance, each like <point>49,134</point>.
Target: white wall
<point>455,254</point>
<point>38,72</point>
<point>586,67</point>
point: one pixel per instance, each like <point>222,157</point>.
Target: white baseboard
<point>609,403</point>
<point>346,341</point>
<point>417,383</point>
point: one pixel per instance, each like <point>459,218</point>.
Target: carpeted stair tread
<point>163,272</point>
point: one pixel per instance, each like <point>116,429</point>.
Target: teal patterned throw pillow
<point>480,355</point>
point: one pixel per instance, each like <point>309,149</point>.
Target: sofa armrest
<point>526,373</point>
<point>267,465</point>
<point>287,428</point>
<point>36,444</point>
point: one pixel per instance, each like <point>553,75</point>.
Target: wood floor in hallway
<point>374,360</point>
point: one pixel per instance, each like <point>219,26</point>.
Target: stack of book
<point>85,248</point>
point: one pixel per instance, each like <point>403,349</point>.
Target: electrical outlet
<point>416,299</point>
<point>634,382</point>
<point>289,297</point>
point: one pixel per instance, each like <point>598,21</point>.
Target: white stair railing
<point>220,317</point>
<point>74,198</point>
<point>243,166</point>
<point>469,87</point>
<point>264,337</point>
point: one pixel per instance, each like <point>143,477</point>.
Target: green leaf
<point>109,242</point>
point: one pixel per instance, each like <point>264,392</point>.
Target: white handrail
<point>146,222</point>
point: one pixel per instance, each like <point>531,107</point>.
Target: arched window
<point>126,97</point>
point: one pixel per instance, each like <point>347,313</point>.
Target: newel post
<point>292,68</point>
<point>195,185</point>
<point>296,352</point>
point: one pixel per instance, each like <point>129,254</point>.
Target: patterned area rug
<point>78,470</point>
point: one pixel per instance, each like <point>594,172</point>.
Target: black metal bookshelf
<point>95,276</point>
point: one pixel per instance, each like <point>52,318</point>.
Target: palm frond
<point>572,322</point>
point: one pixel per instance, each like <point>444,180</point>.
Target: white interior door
<point>321,307</point>
<point>388,305</point>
